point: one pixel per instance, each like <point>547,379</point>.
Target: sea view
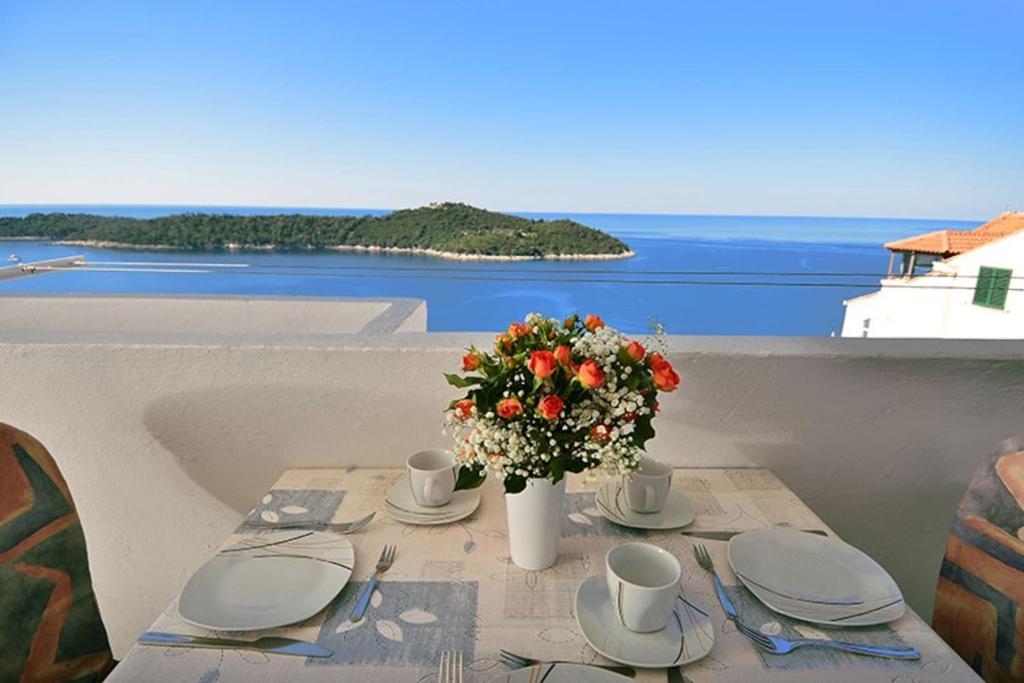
<point>741,275</point>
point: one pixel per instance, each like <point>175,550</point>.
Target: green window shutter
<point>992,286</point>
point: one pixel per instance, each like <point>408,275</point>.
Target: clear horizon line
<point>507,211</point>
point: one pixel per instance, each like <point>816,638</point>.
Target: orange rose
<point>502,344</point>
<point>591,376</point>
<point>664,376</point>
<point>571,321</point>
<point>517,330</point>
<point>563,354</point>
<point>464,409</point>
<point>654,358</point>
<point>509,407</point>
<point>599,433</point>
<point>549,407</point>
<point>542,363</point>
<point>636,351</point>
<point>593,322</point>
<point>470,362</point>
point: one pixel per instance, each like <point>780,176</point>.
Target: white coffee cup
<point>432,476</point>
<point>643,582</point>
<point>647,488</point>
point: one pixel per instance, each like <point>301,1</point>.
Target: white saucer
<point>268,580</point>
<point>611,503</point>
<point>667,647</point>
<point>401,506</point>
<point>562,672</point>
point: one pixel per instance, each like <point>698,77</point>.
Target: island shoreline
<point>356,248</point>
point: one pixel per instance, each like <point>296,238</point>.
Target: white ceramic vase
<point>535,523</point>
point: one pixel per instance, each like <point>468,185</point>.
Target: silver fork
<point>387,557</point>
<point>336,527</point>
<point>704,560</point>
<point>783,646</point>
<point>514,661</point>
<point>449,670</point>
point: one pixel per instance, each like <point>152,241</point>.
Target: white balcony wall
<point>166,442</point>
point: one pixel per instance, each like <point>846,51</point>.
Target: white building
<point>954,284</point>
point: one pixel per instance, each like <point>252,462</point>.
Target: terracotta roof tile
<point>952,242</point>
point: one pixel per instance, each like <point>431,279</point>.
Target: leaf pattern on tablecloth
<point>412,622</point>
<point>417,616</point>
<point>313,505</point>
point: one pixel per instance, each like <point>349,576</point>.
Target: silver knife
<point>727,535</point>
<point>268,644</point>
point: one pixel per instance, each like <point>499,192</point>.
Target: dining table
<point>454,587</point>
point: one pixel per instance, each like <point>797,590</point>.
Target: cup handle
<point>648,495</point>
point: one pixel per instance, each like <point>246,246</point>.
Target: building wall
<point>924,306</point>
<point>166,442</point>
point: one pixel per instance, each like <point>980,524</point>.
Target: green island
<point>448,230</point>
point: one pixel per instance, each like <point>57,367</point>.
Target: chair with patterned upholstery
<point>978,606</point>
<point>50,625</point>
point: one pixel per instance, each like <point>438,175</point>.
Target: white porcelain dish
<point>401,506</point>
<point>815,578</point>
<point>689,636</point>
<point>611,503</point>
<point>268,580</point>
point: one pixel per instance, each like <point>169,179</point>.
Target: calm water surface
<point>464,296</point>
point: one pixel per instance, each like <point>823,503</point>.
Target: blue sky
<point>910,108</point>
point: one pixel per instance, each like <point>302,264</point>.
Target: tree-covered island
<point>448,230</point>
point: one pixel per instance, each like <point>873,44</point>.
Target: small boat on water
<point>13,258</point>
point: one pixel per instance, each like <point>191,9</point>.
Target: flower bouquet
<point>554,397</point>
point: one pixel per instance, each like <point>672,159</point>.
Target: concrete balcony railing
<point>167,436</point>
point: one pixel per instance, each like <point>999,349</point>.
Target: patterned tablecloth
<point>454,587</point>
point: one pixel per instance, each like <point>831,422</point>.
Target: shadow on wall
<point>235,441</point>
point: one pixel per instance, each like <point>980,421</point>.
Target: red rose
<point>470,362</point>
<point>549,407</point>
<point>654,358</point>
<point>563,354</point>
<point>509,407</point>
<point>542,363</point>
<point>591,376</point>
<point>593,322</point>
<point>636,351</point>
<point>664,376</point>
<point>464,409</point>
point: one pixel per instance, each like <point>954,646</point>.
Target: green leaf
<point>470,477</point>
<point>575,465</point>
<point>557,470</point>
<point>644,431</point>
<point>460,381</point>
<point>514,483</point>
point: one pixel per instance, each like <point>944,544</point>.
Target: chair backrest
<point>50,625</point>
<point>981,584</point>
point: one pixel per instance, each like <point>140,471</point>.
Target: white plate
<point>268,580</point>
<point>612,505</point>
<point>815,578</point>
<point>602,631</point>
<point>400,505</point>
<point>560,673</point>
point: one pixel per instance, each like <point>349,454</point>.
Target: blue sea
<point>737,275</point>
